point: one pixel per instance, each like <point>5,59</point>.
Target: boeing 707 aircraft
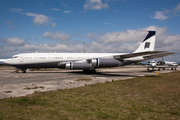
<point>87,62</point>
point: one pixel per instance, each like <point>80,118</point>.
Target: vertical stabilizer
<point>148,43</point>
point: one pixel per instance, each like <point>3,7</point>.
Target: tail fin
<point>148,43</point>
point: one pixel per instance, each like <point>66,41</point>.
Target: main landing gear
<point>20,71</point>
<point>172,68</point>
<point>23,71</point>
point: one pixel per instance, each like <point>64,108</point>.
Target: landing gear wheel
<point>93,71</point>
<point>23,71</point>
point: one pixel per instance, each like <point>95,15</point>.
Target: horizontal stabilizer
<point>130,55</point>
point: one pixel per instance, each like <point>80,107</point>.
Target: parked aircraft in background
<point>169,64</point>
<point>166,64</point>
<point>153,64</point>
<point>87,62</point>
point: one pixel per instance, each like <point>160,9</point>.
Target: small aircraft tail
<point>148,43</point>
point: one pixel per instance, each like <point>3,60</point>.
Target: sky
<point>98,26</point>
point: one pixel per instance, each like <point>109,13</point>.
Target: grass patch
<point>8,91</point>
<point>138,98</point>
<point>152,76</point>
<point>35,87</point>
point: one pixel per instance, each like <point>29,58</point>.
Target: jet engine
<point>94,63</point>
<point>97,63</point>
<point>78,66</point>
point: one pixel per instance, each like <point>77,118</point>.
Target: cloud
<point>177,8</point>
<point>47,35</point>
<point>55,9</point>
<point>13,42</point>
<point>166,14</point>
<point>61,36</point>
<point>41,19</point>
<point>129,40</point>
<point>63,4</point>
<point>53,24</point>
<point>9,24</point>
<point>94,5</point>
<point>118,37</point>
<point>160,16</point>
<point>38,19</point>
<point>68,11</point>
<point>17,10</point>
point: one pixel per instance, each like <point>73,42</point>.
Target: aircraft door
<point>21,58</point>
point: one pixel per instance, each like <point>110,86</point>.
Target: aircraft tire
<point>23,71</point>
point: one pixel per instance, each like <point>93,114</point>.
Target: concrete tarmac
<point>21,84</point>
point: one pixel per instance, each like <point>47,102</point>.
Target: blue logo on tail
<point>147,45</point>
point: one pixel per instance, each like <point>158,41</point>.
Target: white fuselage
<point>171,64</point>
<point>29,58</point>
<point>53,60</point>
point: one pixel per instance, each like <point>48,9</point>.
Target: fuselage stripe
<point>97,62</point>
<point>70,66</point>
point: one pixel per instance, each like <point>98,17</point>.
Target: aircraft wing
<point>147,57</point>
<point>130,55</point>
<point>157,66</point>
<point>143,56</point>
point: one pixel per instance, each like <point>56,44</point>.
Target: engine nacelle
<point>78,66</point>
<point>94,63</point>
<point>105,63</point>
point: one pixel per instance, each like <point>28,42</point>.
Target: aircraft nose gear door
<point>21,59</point>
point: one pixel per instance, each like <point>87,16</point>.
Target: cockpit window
<point>14,57</point>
